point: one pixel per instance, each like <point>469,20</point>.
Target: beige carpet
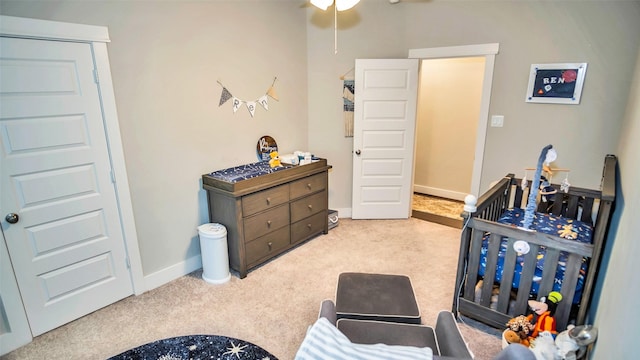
<point>273,306</point>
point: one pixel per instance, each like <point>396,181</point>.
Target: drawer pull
<point>310,207</point>
<point>268,223</point>
<point>309,226</point>
<point>309,186</point>
<point>268,201</point>
<point>270,245</point>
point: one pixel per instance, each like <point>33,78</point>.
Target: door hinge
<point>128,263</point>
<point>113,177</point>
<point>96,78</point>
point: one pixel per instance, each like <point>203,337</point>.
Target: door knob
<point>12,218</point>
<point>358,152</point>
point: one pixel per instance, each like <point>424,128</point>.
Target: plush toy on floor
<point>518,329</point>
<point>544,347</point>
<point>567,346</point>
<point>275,159</point>
<point>542,316</point>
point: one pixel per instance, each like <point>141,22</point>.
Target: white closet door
<point>67,246</point>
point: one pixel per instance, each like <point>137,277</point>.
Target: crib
<point>494,281</point>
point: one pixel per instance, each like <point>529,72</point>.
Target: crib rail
<point>496,311</point>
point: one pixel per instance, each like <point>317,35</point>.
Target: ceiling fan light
<point>322,4</point>
<point>342,5</point>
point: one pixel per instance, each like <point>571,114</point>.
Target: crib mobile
<point>544,188</point>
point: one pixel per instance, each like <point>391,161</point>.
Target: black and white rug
<point>197,347</point>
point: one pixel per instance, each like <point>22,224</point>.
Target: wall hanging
<point>556,83</point>
<point>348,91</point>
<point>251,105</point>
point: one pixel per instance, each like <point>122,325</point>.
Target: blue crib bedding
<point>549,224</point>
<point>248,171</point>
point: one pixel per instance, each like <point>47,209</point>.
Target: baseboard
<point>344,213</point>
<point>438,219</point>
<point>447,194</point>
<point>173,272</point>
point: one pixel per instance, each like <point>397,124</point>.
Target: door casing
<point>489,51</point>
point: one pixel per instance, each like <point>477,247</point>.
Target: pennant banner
<point>272,92</point>
<point>251,105</point>
<point>236,104</point>
<point>264,102</point>
<point>226,95</point>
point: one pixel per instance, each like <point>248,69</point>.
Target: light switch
<point>497,120</point>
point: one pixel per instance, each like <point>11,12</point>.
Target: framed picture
<point>556,83</point>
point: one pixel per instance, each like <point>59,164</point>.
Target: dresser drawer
<point>308,227</point>
<point>267,246</point>
<point>308,206</point>
<point>265,222</point>
<point>308,185</point>
<point>265,199</point>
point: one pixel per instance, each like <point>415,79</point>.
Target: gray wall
<point>618,290</point>
<point>166,57</point>
<point>602,33</point>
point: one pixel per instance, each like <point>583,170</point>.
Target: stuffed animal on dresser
<point>275,159</point>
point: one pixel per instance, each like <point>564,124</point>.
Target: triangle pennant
<point>264,101</point>
<point>236,104</point>
<point>251,105</point>
<point>226,95</point>
<point>272,92</point>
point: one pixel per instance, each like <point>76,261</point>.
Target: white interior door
<point>384,136</point>
<point>67,246</point>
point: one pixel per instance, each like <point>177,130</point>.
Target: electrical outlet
<point>497,120</point>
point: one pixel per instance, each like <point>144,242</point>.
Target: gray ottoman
<point>379,297</point>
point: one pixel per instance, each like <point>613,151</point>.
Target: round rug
<point>197,347</point>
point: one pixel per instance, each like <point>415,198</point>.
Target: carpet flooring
<point>275,304</point>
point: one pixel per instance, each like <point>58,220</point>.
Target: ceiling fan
<point>341,5</point>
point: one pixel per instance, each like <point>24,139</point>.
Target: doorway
<point>453,101</point>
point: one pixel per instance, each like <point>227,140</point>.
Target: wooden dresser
<point>268,214</point>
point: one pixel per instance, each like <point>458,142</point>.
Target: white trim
<point>443,193</point>
<point>172,272</point>
<point>15,328</point>
<point>454,51</point>
<point>116,154</point>
<point>51,30</point>
<point>488,51</point>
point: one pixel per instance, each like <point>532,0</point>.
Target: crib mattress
<point>545,223</point>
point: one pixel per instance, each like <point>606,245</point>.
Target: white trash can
<point>215,258</point>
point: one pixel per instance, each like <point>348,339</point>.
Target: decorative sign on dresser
<point>267,210</point>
